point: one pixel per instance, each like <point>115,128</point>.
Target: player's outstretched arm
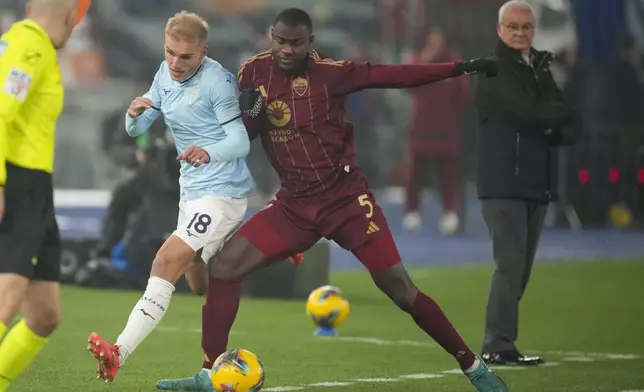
<point>355,76</point>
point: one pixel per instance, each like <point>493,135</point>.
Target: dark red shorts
<point>347,214</point>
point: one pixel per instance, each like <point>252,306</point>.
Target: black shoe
<point>511,358</point>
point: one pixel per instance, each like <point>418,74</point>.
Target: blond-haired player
<point>31,99</point>
<point>199,100</point>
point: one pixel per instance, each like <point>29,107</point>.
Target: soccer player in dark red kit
<point>324,194</point>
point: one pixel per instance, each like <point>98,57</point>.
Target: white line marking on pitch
<point>330,384</point>
<point>579,359</point>
<point>420,376</point>
<point>513,368</point>
<point>165,328</point>
<point>569,356</point>
<point>377,342</point>
<point>614,356</point>
<point>376,380</point>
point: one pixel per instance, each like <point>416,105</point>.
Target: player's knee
<point>398,286</point>
<point>12,292</point>
<point>197,278</point>
<point>172,260</point>
<point>45,321</point>
<point>225,268</point>
<point>238,258</point>
<point>405,298</point>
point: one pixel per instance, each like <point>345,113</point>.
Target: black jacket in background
<point>521,117</point>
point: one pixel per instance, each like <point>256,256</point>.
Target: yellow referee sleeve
<point>3,153</point>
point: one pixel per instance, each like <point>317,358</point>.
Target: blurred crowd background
<point>114,54</point>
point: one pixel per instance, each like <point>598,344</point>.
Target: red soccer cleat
<point>107,355</point>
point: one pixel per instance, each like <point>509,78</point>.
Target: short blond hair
<point>187,26</point>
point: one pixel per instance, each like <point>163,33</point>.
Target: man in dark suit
<point>522,119</point>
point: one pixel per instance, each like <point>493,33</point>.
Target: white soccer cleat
<point>412,221</point>
<point>449,224</point>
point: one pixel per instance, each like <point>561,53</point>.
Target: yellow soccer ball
<point>237,370</point>
<point>327,307</point>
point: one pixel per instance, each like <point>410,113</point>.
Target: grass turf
<point>569,307</point>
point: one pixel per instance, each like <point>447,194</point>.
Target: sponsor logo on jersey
<point>278,113</point>
<point>17,84</point>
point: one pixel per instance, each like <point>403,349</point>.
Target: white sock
<point>145,316</point>
<point>474,366</point>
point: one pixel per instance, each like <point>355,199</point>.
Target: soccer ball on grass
<point>237,370</point>
<point>328,309</point>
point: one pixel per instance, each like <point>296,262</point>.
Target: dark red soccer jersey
<point>303,129</point>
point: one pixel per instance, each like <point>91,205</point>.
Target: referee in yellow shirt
<point>31,100</point>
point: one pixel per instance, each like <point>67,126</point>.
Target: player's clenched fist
<point>196,156</point>
<point>138,106</point>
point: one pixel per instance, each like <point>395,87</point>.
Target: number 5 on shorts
<point>365,202</point>
<point>200,222</point>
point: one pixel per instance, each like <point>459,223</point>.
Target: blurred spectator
<point>156,172</point>
<point>360,114</point>
<point>624,98</point>
<point>82,61</point>
<point>434,136</point>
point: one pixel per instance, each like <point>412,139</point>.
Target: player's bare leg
<point>173,259</point>
<point>197,277</point>
<point>13,288</point>
<point>41,315</point>
<point>397,285</point>
<point>238,258</point>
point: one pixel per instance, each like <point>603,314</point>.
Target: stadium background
<point>113,55</point>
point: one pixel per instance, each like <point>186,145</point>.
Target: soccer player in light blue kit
<point>199,100</point>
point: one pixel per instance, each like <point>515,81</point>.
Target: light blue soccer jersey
<point>202,111</point>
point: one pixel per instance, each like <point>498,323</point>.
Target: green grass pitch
<point>587,319</point>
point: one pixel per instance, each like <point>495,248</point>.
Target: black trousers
<point>515,227</point>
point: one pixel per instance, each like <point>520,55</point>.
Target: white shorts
<point>208,222</point>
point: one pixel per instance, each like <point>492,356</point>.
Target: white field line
<point>565,356</point>
<point>165,328</point>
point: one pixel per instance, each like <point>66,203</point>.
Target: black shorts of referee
<point>30,243</point>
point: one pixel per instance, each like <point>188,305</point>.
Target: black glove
<point>487,65</point>
<point>250,102</point>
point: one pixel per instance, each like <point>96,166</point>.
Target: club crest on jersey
<point>191,95</point>
<point>300,86</point>
<point>278,113</point>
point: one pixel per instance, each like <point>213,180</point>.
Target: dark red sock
<point>218,316</point>
<point>430,317</point>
